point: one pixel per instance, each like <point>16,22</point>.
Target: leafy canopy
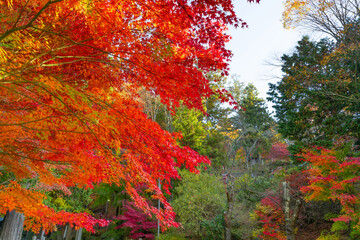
<point>69,81</point>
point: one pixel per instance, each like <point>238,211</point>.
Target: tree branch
<point>29,24</point>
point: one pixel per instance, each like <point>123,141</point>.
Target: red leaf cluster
<point>269,212</point>
<point>278,151</point>
<point>140,224</point>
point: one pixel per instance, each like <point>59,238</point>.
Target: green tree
<point>189,123</point>
<point>200,135</point>
<point>200,200</point>
<point>200,130</point>
<point>253,123</point>
<point>247,128</point>
<point>308,99</point>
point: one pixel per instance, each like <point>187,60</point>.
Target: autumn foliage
<point>278,151</point>
<point>69,81</point>
<point>337,179</point>
<point>139,223</point>
<point>270,215</point>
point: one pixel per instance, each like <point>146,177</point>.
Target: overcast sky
<point>264,41</point>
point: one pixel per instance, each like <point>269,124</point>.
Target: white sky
<point>264,41</point>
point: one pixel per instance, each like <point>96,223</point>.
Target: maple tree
<point>333,176</point>
<point>138,222</point>
<point>127,219</point>
<point>270,217</point>
<point>278,151</point>
<point>278,212</point>
<point>70,116</point>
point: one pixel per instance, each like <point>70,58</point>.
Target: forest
<point>120,120</point>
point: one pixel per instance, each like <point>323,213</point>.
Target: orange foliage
<point>333,178</point>
<point>70,72</point>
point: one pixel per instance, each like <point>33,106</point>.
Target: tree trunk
<point>227,233</point>
<point>68,233</point>
<point>290,220</point>
<point>13,226</point>
<point>42,235</point>
<point>78,234</point>
<point>247,163</point>
<point>107,207</point>
<point>229,189</point>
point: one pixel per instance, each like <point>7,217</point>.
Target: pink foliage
<point>141,224</point>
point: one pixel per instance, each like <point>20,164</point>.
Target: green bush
<point>199,200</point>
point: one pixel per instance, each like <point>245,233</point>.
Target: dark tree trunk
<point>13,226</point>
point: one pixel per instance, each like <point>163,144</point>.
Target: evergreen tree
<point>310,99</point>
